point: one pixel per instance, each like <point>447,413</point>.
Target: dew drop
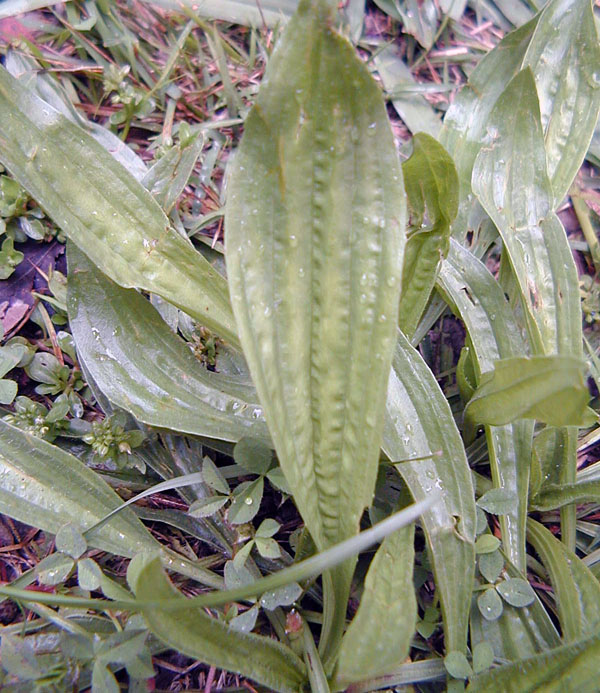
<point>248,501</point>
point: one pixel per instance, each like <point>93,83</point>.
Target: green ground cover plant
<point>338,260</point>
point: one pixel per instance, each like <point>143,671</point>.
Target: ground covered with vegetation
<point>166,90</point>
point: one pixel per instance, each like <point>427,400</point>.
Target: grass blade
<point>209,640</point>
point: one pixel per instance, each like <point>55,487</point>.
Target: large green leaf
<point>550,389</point>
<point>380,634</point>
<point>566,669</point>
<point>314,244</point>
<point>419,424</point>
<point>466,119</point>
<point>561,47</point>
<point>46,487</point>
<point>431,188</point>
<point>511,181</point>
<point>142,367</point>
<point>519,200</point>
<point>478,300</point>
<point>577,590</point>
<point>564,55</point>
<point>193,633</point>
<point>104,210</point>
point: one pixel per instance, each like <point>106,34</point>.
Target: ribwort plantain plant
<point>339,260</point>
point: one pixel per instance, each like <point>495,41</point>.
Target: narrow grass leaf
<point>379,636</point>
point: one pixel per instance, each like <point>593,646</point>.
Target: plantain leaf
<point>577,590</point>
<point>46,487</point>
<point>476,297</point>
<point>431,186</point>
<point>565,669</point>
<point>104,210</point>
<point>520,203</point>
<point>142,367</point>
<point>550,389</point>
<point>466,119</point>
<point>564,55</point>
<point>209,640</point>
<point>314,244</point>
<point>561,47</point>
<point>511,181</point>
<point>379,636</point>
<point>419,423</point>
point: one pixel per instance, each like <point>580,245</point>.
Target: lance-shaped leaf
<point>209,640</point>
<point>577,590</point>
<point>478,300</point>
<point>550,389</point>
<point>561,47</point>
<point>419,424</point>
<point>142,367</point>
<point>104,210</point>
<point>571,667</point>
<point>314,244</point>
<point>46,487</point>
<point>466,119</point>
<point>431,186</point>
<point>511,181</point>
<point>380,634</point>
<point>564,55</point>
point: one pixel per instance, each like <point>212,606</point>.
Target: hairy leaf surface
<point>419,423</point>
<point>142,367</point>
<point>104,210</point>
